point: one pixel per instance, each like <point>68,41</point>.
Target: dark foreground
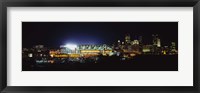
<point>139,63</point>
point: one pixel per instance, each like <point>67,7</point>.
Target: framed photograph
<point>80,46</point>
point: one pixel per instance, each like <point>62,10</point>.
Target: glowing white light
<point>30,55</point>
<point>71,46</point>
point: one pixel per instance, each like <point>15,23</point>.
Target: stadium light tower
<point>71,46</point>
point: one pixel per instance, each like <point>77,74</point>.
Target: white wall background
<point>183,77</point>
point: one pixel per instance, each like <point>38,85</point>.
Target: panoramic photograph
<point>99,46</point>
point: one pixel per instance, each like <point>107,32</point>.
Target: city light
<point>71,46</point>
<point>100,46</point>
<point>128,52</point>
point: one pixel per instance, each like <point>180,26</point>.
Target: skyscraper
<point>135,42</point>
<point>127,39</point>
<point>155,36</point>
<point>156,40</point>
<point>173,48</point>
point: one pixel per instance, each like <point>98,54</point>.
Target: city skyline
<point>139,39</point>
<point>54,34</point>
<point>100,46</point>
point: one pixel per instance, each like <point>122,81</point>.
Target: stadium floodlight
<point>71,46</point>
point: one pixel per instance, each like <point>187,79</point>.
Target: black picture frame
<point>97,3</point>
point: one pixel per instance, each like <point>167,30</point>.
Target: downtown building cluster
<point>126,48</point>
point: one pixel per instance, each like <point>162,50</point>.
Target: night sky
<point>54,34</point>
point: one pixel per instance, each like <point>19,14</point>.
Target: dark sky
<point>53,34</point>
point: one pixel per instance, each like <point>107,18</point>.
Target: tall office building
<point>173,45</point>
<point>158,43</point>
<point>173,48</point>
<point>127,39</point>
<point>156,40</point>
<point>135,42</point>
<point>155,36</point>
